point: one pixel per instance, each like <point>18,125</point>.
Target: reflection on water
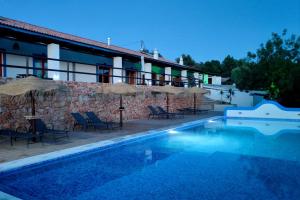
<point>220,161</point>
<point>226,137</point>
<point>148,156</point>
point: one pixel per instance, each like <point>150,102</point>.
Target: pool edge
<point>14,164</point>
<point>5,196</point>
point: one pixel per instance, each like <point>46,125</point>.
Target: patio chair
<point>42,129</point>
<point>79,120</point>
<point>7,133</point>
<point>154,112</point>
<point>96,122</point>
<point>14,135</point>
<point>171,114</point>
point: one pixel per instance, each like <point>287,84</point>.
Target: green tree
<point>187,60</point>
<point>276,64</point>
<point>211,67</point>
<point>228,64</point>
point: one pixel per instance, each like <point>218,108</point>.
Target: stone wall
<point>81,97</point>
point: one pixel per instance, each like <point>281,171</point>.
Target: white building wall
<point>196,76</point>
<point>168,71</point>
<point>117,63</point>
<point>53,52</point>
<point>85,77</point>
<point>148,68</point>
<point>184,77</point>
<point>216,80</point>
<point>239,98</point>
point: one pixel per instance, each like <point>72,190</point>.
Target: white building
<point>27,49</point>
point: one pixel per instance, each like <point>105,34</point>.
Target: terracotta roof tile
<point>50,32</point>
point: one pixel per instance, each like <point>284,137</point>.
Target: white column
<point>168,71</point>
<point>184,77</point>
<point>196,76</point>
<point>181,60</point>
<point>148,70</point>
<point>53,52</point>
<point>117,63</point>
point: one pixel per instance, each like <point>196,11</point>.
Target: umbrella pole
<point>121,111</point>
<point>32,104</point>
<point>195,103</point>
<point>167,105</point>
<point>33,124</point>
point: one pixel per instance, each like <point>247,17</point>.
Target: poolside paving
<point>20,150</point>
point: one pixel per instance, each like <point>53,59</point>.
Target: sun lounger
<point>14,135</point>
<point>154,112</point>
<point>96,122</point>
<point>170,114</point>
<point>42,129</point>
<point>79,120</point>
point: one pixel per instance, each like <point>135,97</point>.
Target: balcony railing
<point>70,74</point>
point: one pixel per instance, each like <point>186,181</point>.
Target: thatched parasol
<point>30,86</point>
<point>119,89</point>
<point>167,89</point>
<point>194,91</point>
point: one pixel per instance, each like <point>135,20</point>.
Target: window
<point>103,74</point>
<point>40,67</point>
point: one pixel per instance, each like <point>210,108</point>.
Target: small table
<point>31,117</point>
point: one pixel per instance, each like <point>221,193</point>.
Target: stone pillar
<point>53,52</point>
<point>196,76</point>
<point>168,71</point>
<point>117,63</point>
<point>184,77</point>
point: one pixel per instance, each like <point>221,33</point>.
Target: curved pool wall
<point>264,110</point>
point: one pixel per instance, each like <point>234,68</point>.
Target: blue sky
<point>205,29</point>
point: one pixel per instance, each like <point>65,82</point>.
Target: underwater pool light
<point>172,132</point>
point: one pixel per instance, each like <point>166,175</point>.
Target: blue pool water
<point>222,159</point>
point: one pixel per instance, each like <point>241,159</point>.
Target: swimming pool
<point>213,159</point>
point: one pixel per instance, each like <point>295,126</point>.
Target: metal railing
<point>71,74</point>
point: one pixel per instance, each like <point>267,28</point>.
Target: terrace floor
<point>78,138</point>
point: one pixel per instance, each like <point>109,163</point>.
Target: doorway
<point>103,74</point>
<point>130,77</point>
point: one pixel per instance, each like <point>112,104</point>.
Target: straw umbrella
<point>30,86</point>
<point>194,91</point>
<point>167,89</point>
<point>119,89</point>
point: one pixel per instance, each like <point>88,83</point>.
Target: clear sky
<point>205,29</point>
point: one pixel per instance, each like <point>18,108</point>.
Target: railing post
<point>27,65</point>
<point>68,71</point>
